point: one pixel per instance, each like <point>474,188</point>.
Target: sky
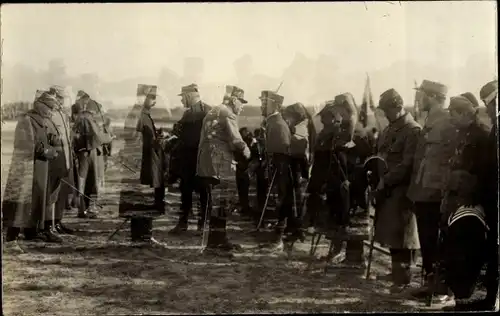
<point>127,40</point>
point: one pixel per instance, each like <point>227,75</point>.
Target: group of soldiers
<point>434,187</point>
<point>58,163</point>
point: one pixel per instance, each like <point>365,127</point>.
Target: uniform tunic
<point>153,160</point>
<point>219,139</point>
<point>396,225</point>
<point>33,181</point>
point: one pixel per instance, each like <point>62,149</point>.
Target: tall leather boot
<point>12,233</point>
<point>147,229</point>
<point>215,236</point>
<point>355,252</point>
<point>50,233</point>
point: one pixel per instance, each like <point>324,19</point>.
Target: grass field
<point>90,275</point>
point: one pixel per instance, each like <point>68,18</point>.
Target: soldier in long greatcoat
<point>396,224</point>
<point>489,195</point>
<point>33,182</point>
<point>188,130</point>
<point>66,193</point>
<point>219,140</point>
<point>434,149</point>
<point>463,219</point>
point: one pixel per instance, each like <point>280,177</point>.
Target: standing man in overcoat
<point>435,148</point>
<point>396,225</point>
<point>219,140</point>
<point>33,182</point>
<point>61,120</point>
<point>188,131</point>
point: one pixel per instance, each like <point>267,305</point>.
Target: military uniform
<point>87,145</point>
<point>278,149</point>
<point>435,147</point>
<point>66,193</point>
<point>35,175</point>
<point>188,131</point>
<point>219,140</point>
<point>396,225</point>
<point>242,173</point>
<point>335,157</point>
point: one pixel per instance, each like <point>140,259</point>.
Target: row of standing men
<point>431,173</point>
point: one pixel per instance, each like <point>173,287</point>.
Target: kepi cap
<point>188,89</point>
<point>489,91</point>
<point>346,101</point>
<point>144,90</point>
<point>390,99</point>
<point>82,94</point>
<point>470,96</point>
<point>433,87</point>
<point>38,94</point>
<point>59,91</point>
<point>461,103</point>
<point>234,91</point>
<point>273,96</point>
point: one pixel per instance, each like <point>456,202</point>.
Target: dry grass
<point>89,275</point>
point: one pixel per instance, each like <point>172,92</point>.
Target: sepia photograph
<point>249,157</point>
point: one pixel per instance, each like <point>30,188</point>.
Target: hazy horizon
<point>317,49</point>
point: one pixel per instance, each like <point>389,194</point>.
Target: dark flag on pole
<point>367,105</point>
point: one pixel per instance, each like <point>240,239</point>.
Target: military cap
<point>82,94</point>
<point>471,98</point>
<point>297,109</point>
<point>327,108</point>
<point>38,94</point>
<point>144,90</point>
<point>433,88</point>
<point>489,91</point>
<point>273,96</point>
<point>390,99</point>
<point>49,99</point>
<point>59,91</point>
<point>189,88</point>
<point>234,91</point>
<point>346,101</point>
<point>461,103</point>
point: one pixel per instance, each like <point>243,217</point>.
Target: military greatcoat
<point>396,224</point>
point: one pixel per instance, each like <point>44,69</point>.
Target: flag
<point>416,105</point>
<point>367,105</point>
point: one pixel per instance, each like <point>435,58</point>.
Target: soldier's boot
<point>400,266</point>
<point>83,211</point>
<point>51,233</point>
<point>355,254</point>
<point>33,234</point>
<point>12,234</point>
<point>337,252</point>
<point>181,227</point>
<point>63,229</point>
<point>276,244</point>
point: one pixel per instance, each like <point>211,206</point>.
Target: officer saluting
<point>278,142</point>
<point>219,139</point>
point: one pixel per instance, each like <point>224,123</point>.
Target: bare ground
<point>88,274</point>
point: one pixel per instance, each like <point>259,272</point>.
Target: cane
<point>267,200</point>
<point>204,238</point>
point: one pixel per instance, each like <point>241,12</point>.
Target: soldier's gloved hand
<point>50,153</point>
<point>346,184</point>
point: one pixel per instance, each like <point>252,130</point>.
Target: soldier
<point>219,140</point>
<point>396,224</point>
<point>337,153</point>
<point>188,132</point>
<point>61,120</point>
<point>242,174</point>
<point>488,186</point>
<point>464,238</point>
<point>33,183</point>
<point>434,150</point>
<point>88,145</point>
<point>278,142</point>
<point>303,133</point>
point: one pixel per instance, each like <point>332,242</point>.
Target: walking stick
<point>204,238</point>
<point>118,228</point>
<point>267,200</point>
<point>372,241</point>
